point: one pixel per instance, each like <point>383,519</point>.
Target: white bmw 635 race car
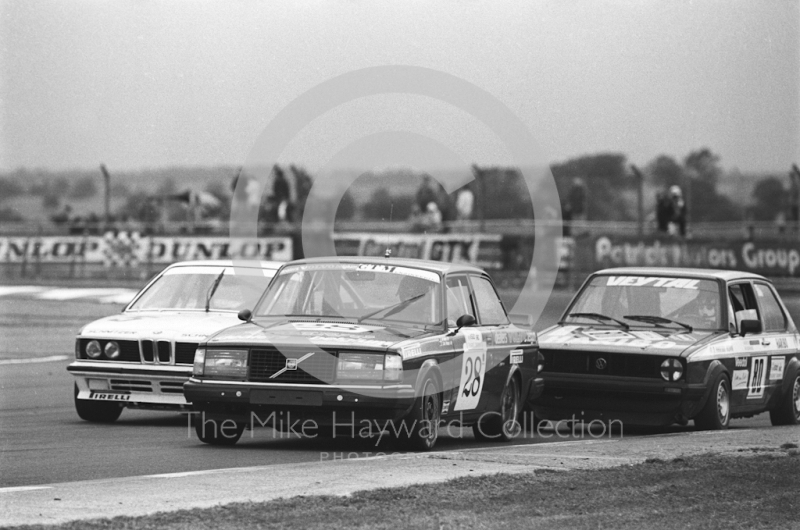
<point>142,357</point>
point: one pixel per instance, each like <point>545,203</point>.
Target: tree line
<point>609,179</point>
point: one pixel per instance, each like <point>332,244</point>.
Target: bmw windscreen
<point>202,289</point>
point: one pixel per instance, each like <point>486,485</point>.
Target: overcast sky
<point>150,83</point>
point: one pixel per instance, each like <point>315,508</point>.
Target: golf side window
<point>744,303</point>
<point>771,311</point>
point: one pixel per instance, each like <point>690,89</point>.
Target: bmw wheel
<point>96,411</point>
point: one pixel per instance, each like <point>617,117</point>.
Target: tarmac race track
<point>42,440</point>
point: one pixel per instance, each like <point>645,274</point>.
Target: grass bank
<point>759,489</point>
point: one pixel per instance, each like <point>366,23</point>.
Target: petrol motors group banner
<point>770,258</point>
<point>129,250</point>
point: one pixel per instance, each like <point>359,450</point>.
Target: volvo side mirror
<point>245,315</point>
<point>465,321</point>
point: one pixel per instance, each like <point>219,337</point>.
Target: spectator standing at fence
<point>63,217</point>
<point>677,225</point>
<point>427,193</point>
<point>281,195</point>
<point>663,211</point>
<point>578,200</point>
<point>465,203</point>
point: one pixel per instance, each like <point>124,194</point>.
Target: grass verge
<point>757,491</point>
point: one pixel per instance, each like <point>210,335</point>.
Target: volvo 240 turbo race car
<point>662,346</point>
<point>362,346</point>
<point>142,357</point>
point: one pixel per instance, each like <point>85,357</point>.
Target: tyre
<point>422,424</point>
<point>788,410</point>
<point>716,413</point>
<point>504,425</point>
<point>218,432</point>
<point>96,411</point>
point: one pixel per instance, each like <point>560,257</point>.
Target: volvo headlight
<point>112,350</point>
<point>199,361</point>
<point>93,350</point>
<point>370,366</point>
<point>225,364</point>
<point>393,368</point>
<point>671,370</point>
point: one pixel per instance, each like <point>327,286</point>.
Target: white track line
<point>121,298</point>
<point>34,360</point>
<point>24,488</point>
<point>558,455</point>
<point>72,293</point>
<point>6,290</point>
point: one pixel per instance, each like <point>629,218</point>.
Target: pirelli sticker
<point>106,396</point>
<point>411,351</point>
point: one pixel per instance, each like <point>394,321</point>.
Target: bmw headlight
<point>671,370</point>
<point>112,350</point>
<point>225,364</point>
<point>93,350</point>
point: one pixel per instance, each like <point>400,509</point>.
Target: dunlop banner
<point>128,250</point>
<point>767,257</point>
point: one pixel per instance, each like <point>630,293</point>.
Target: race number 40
<point>473,370</point>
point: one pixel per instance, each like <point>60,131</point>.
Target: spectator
<point>677,225</point>
<point>780,222</point>
<point>432,219</point>
<point>281,195</point>
<point>427,193</point>
<point>578,200</point>
<point>465,202</point>
<point>663,211</point>
<point>429,220</point>
<point>62,217</point>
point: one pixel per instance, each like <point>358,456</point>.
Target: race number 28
<point>473,370</point>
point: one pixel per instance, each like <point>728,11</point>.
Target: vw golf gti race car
<point>662,346</point>
<point>142,357</point>
<point>362,346</point>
